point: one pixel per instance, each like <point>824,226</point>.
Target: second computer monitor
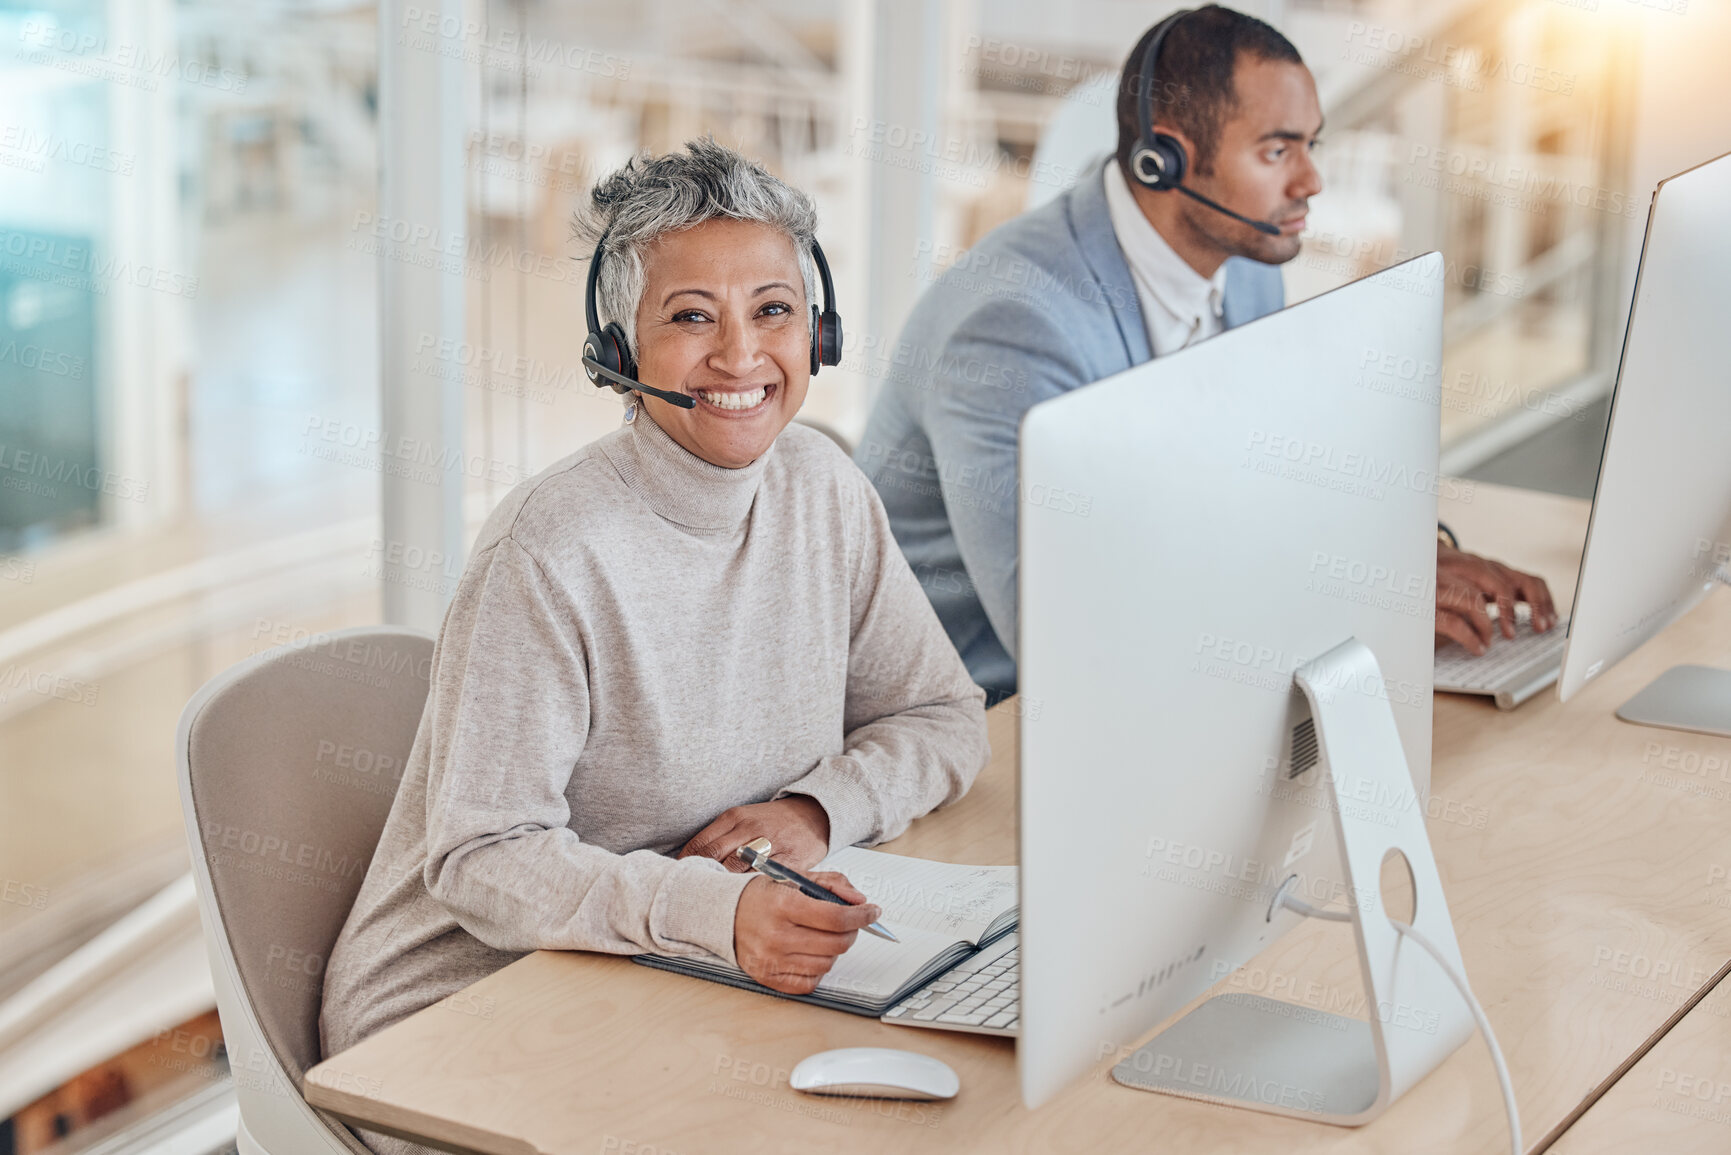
<point>1191,531</point>
<point>1660,536</point>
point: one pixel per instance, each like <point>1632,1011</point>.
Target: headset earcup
<point>1177,164</point>
<point>829,339</point>
<point>599,347</point>
<point>596,348</point>
<point>617,359</point>
<point>622,362</point>
<point>1166,158</point>
<point>816,341</point>
<point>825,340</point>
<point>607,348</point>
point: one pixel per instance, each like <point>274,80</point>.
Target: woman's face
<point>724,318</point>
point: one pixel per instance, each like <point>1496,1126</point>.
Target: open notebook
<point>941,912</point>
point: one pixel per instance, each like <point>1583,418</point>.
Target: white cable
<point>1460,982</point>
<point>1299,906</point>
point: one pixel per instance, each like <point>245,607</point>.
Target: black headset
<point>1158,161</point>
<point>607,359</point>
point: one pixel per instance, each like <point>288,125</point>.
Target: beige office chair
<point>288,765</point>
<point>828,431</point>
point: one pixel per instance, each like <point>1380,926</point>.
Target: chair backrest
<point>828,431</point>
<point>289,763</point>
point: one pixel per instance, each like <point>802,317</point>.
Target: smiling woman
<point>696,631</point>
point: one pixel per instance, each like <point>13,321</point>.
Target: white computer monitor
<point>1192,530</point>
<point>1660,535</point>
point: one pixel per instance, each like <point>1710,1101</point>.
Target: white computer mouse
<point>875,1073</point>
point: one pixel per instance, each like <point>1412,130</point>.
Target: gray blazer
<point>1042,305</point>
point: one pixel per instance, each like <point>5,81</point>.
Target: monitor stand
<point>1695,698</point>
<point>1684,698</point>
<point>1288,1059</point>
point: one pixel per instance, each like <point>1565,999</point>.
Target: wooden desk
<point>1568,851</point>
<point>1677,1099</point>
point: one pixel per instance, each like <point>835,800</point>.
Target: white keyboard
<point>1511,670</point>
<point>980,995</point>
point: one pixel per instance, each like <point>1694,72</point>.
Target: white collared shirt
<point>1179,305</point>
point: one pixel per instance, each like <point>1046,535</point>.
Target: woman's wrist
<point>811,811</point>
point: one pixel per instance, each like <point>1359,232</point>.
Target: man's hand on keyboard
<point>1466,584</point>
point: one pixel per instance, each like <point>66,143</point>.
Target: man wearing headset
<point>1218,107</point>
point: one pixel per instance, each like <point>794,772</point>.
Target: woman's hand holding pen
<point>798,827</point>
<point>787,941</point>
<point>782,938</point>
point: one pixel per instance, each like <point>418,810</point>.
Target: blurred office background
<point>198,413</point>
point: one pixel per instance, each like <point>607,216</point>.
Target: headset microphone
<point>626,384</point>
<point>1259,226</point>
<point>1159,161</point>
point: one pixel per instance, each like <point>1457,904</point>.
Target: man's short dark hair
<point>1193,88</point>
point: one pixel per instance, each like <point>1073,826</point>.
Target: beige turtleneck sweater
<point>641,640</point>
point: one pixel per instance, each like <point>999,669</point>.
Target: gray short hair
<point>652,196</point>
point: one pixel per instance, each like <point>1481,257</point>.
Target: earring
<point>630,412</point>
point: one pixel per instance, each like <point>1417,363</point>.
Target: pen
<point>756,855</point>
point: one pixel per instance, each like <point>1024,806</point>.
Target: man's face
<point>1262,167</point>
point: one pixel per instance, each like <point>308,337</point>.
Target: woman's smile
<point>735,402</point>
